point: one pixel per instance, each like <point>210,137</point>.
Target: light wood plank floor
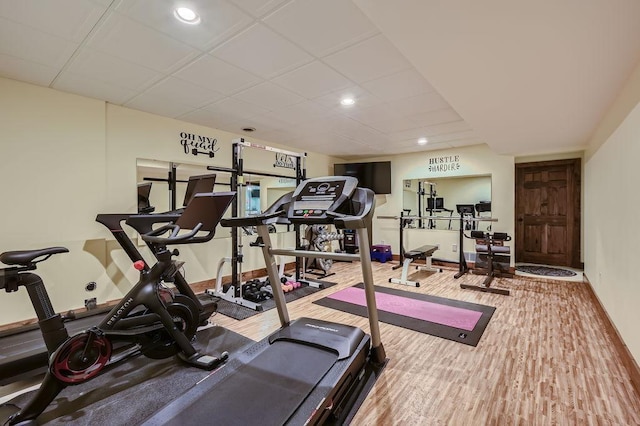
<point>544,359</point>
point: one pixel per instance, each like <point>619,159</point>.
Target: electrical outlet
<point>454,248</point>
<point>382,242</point>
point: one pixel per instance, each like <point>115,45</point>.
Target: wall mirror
<point>255,193</point>
<point>444,198</point>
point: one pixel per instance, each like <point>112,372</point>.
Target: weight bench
<point>421,253</point>
<point>491,246</point>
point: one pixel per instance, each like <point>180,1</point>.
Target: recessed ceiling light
<point>187,15</point>
<point>422,141</point>
<point>347,101</point>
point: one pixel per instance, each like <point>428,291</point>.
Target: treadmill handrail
<point>256,220</point>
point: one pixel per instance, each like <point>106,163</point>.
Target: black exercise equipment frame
<point>237,171</point>
<point>280,361</point>
<point>145,318</point>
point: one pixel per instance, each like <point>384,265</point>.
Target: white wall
<point>475,160</point>
<point>66,158</point>
<point>612,203</point>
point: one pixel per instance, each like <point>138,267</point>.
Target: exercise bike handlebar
<point>174,238</point>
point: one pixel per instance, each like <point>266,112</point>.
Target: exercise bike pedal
<point>204,361</point>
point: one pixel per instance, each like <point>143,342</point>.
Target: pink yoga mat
<point>464,319</point>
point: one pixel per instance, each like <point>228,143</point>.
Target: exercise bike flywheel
<point>76,362</point>
<point>159,344</point>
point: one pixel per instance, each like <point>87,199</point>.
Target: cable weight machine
<point>238,172</point>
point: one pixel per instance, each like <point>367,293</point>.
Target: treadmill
<point>309,371</point>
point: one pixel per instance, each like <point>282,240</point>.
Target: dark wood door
<point>548,213</point>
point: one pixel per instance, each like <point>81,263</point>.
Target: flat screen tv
<point>374,175</point>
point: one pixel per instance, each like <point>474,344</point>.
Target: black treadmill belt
<point>266,391</point>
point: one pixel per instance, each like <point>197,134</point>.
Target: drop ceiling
<point>523,78</point>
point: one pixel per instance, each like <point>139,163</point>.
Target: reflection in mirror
<point>155,182</point>
<point>438,203</point>
<point>260,192</point>
<point>255,192</point>
<point>156,194</point>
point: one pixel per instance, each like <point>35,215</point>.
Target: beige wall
<point>66,158</point>
<point>612,203</point>
<point>53,177</point>
<point>475,160</point>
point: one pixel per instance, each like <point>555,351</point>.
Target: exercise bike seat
<point>26,257</point>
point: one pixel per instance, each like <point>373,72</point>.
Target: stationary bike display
<point>150,319</point>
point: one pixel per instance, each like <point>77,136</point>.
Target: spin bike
<point>143,224</point>
<point>150,319</point>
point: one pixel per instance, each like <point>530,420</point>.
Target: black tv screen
<point>374,175</point>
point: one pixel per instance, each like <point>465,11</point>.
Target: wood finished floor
<point>544,359</point>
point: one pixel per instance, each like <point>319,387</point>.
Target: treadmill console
<point>315,197</point>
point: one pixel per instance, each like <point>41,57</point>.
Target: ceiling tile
<point>24,42</point>
<point>362,97</point>
<point>23,70</point>
<point>465,142</point>
<point>210,119</point>
<point>263,123</point>
<point>368,60</point>
<point>235,108</point>
<point>158,105</point>
<point>124,38</point>
<point>424,102</point>
<point>173,89</point>
<point>281,136</point>
<point>300,113</point>
<point>403,84</point>
<point>313,80</point>
<point>217,75</point>
<point>307,21</point>
<point>453,136</point>
<point>344,146</point>
<point>357,131</point>
<point>445,115</point>
<point>382,118</point>
<point>446,128</point>
<point>270,96</point>
<point>258,8</point>
<point>262,52</point>
<point>68,19</point>
<point>219,20</point>
<point>91,88</point>
<point>428,131</point>
<point>109,69</point>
